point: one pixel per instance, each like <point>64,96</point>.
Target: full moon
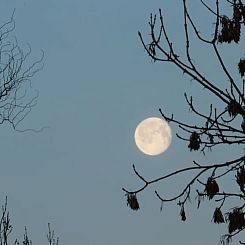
<point>153,136</point>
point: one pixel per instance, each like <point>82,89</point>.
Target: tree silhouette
<point>16,101</point>
<point>17,97</point>
<point>222,125</point>
<point>6,229</point>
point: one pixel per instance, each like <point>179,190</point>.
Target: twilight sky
<point>97,84</point>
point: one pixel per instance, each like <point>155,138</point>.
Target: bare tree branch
<point>17,97</point>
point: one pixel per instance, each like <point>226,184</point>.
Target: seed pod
<point>237,15</point>
<point>132,201</point>
<point>218,216</point>
<point>236,31</point>
<point>234,108</point>
<point>182,213</point>
<point>195,141</point>
<point>241,67</point>
<point>231,28</point>
<point>236,220</point>
<point>211,188</point>
<point>240,178</point>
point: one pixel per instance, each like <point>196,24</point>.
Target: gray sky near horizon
<point>97,84</point>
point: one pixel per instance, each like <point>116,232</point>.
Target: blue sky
<point>97,84</point>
